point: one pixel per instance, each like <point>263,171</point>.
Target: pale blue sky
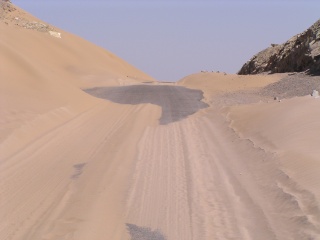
<point>172,39</point>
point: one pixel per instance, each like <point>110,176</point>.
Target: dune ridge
<point>42,76</point>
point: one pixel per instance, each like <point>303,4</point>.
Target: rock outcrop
<point>300,53</point>
<point>5,7</point>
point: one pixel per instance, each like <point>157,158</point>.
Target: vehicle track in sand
<point>125,172</point>
<point>194,178</point>
<point>183,188</point>
<point>52,197</point>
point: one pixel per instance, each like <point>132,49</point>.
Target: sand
<point>144,160</point>
<point>284,134</point>
<point>50,130</point>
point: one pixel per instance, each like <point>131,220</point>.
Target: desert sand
<point>93,148</point>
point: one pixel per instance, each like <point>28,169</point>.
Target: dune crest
<point>41,74</point>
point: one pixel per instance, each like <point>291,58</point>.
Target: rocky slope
<point>300,53</point>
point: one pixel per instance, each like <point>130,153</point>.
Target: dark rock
<point>299,54</point>
<point>5,6</point>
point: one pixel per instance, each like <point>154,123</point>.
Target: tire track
<point>158,198</point>
<point>29,218</point>
<point>183,187</point>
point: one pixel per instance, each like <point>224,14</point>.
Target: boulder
<point>55,34</point>
<point>315,94</point>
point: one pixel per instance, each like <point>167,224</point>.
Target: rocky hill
<point>298,54</point>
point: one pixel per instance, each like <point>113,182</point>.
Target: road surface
<point>150,162</point>
<point>193,178</point>
<point>176,102</point>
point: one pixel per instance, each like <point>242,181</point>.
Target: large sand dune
<point>41,77</point>
<point>148,161</point>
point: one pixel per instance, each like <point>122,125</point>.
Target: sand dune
<point>290,130</point>
<point>70,57</point>
<point>45,129</point>
<point>218,83</point>
<point>149,160</point>
<point>41,76</point>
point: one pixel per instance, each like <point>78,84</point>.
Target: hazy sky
<point>172,39</point>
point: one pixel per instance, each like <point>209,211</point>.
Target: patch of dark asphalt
<point>143,233</point>
<point>78,170</point>
<point>177,102</point>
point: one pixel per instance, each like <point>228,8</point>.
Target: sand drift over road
<point>177,102</point>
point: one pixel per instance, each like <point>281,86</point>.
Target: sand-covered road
<point>193,178</point>
<point>157,163</point>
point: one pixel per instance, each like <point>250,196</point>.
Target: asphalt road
<point>177,102</point>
